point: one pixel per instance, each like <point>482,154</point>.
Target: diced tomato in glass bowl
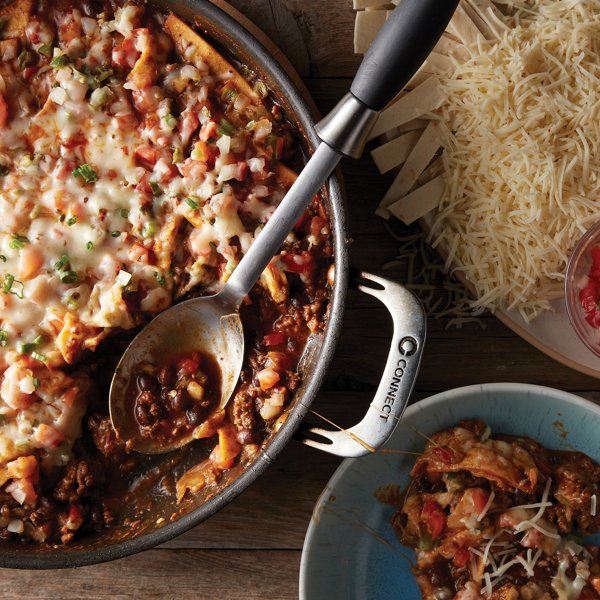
<point>582,288</point>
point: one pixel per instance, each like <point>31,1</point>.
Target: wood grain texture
<point>251,549</point>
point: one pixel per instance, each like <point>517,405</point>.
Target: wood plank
<point>160,574</point>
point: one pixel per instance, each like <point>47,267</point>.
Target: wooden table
<point>251,549</point>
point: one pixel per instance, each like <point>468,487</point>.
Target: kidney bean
<point>166,376</point>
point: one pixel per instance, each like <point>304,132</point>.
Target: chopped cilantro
<point>86,173</point>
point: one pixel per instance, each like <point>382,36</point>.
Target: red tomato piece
<point>588,297</point>
<point>147,155</point>
<point>444,454</point>
<point>461,558</point>
<point>298,263</point>
<point>434,518</point>
<point>274,338</point>
<point>480,499</point>
<point>189,364</point>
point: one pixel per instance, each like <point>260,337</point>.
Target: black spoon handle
<point>400,48</point>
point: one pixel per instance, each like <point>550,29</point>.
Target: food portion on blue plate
<point>498,474</point>
<point>500,517</point>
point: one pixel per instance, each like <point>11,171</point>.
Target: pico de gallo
<point>137,166</point>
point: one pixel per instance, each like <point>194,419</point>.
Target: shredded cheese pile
<point>522,155</point>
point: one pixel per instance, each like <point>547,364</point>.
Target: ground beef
<point>80,480</point>
<point>244,416</point>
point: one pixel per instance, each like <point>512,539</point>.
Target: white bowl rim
<point>418,407</point>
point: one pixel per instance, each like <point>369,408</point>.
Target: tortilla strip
<point>185,38</point>
<point>17,14</point>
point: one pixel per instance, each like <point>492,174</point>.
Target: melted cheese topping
<point>522,154</point>
<point>127,188</point>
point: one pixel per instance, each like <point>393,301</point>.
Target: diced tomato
<point>317,224</point>
<point>274,338</point>
<point>208,131</point>
<point>187,124</point>
<point>593,317</point>
<point>74,518</point>
<point>461,557</point>
<point>3,110</point>
<point>434,518</point>
<point>480,499</point>
<point>48,436</point>
<point>298,263</point>
<point>125,54</point>
<point>588,296</point>
<point>138,253</point>
<point>190,364</point>
<point>444,454</point>
<point>147,155</point>
<point>242,171</point>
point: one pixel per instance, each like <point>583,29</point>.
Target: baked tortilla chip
<point>190,45</point>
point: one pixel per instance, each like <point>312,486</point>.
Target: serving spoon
<point>212,323</point>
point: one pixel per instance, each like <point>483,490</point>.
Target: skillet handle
<point>398,377</point>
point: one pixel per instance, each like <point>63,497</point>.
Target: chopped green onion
<point>212,245</point>
<point>115,233</point>
<point>225,128</point>
<point>3,337</point>
<point>192,203</point>
<point>36,381</point>
<point>2,258</point>
<point>71,221</point>
<point>18,242</point>
<point>426,543</point>
<point>177,155</point>
<point>124,213</point>
<point>59,61</point>
<point>27,347</point>
<point>156,189</point>
<point>45,50</point>
<point>90,245</point>
<point>64,259</point>
<point>170,121</point>
<point>86,173</point>
<point>101,75</point>
<point>40,357</point>
<point>149,230</point>
<point>4,170</point>
<point>160,279</point>
<point>25,59</point>
<point>229,95</point>
<point>7,286</point>
<point>69,277</point>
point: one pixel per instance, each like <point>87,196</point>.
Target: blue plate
<point>351,552</point>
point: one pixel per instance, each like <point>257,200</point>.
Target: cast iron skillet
<point>134,532</point>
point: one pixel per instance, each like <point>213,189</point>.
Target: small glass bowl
<point>576,278</point>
